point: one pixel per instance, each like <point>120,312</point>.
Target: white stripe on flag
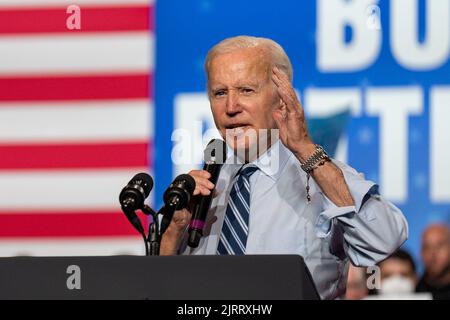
<point>63,189</point>
<point>86,246</point>
<point>104,120</point>
<point>91,52</point>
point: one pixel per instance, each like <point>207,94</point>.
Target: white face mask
<point>397,285</point>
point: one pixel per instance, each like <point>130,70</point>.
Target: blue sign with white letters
<point>386,64</point>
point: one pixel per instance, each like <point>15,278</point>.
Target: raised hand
<point>290,118</point>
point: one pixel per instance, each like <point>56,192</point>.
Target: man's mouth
<point>236,126</point>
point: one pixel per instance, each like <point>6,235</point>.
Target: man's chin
<point>245,143</point>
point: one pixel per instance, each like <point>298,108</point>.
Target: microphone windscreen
<point>189,182</point>
<point>147,182</point>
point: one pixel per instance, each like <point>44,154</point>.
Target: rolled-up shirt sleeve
<point>372,229</point>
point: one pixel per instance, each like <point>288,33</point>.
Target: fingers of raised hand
<point>202,184</point>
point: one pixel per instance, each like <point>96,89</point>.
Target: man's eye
<point>247,90</point>
<point>219,93</point>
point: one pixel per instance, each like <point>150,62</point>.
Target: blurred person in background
<point>398,274</point>
<point>356,283</point>
<point>436,259</point>
<point>397,279</point>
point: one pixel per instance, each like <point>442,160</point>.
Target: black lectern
<point>258,277</point>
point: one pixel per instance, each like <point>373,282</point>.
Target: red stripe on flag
<point>74,156</point>
<point>67,224</point>
<point>92,19</point>
<point>115,86</point>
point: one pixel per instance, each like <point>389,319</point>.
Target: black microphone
<point>179,192</point>
<point>176,197</point>
<point>214,157</point>
<point>133,195</point>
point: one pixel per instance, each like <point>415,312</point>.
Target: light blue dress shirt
<point>282,221</point>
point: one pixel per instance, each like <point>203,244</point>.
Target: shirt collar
<point>273,161</point>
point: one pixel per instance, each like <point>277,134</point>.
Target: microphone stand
<point>158,226</point>
<point>153,238</point>
<point>155,230</point>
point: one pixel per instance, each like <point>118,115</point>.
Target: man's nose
<point>233,105</point>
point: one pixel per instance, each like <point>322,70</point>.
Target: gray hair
<point>277,53</point>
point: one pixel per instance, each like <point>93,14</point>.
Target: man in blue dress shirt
<point>298,200</point>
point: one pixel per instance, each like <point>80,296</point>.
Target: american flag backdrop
<point>76,123</point>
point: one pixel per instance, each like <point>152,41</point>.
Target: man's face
<point>242,96</point>
<point>436,251</point>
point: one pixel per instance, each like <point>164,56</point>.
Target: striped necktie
<point>233,238</point>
